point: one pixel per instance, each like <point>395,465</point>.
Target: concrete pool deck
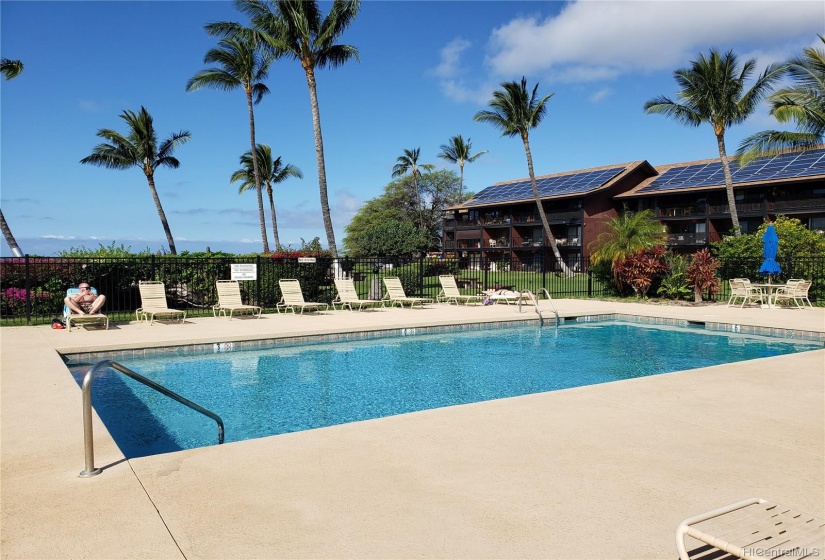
<point>606,471</point>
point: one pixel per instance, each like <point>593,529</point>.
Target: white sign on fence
<point>244,271</point>
<point>306,259</point>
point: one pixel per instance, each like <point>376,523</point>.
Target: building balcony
<point>687,239</point>
<point>801,204</point>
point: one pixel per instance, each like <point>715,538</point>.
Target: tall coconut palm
<point>458,151</point>
<point>271,171</point>
<point>15,248</point>
<point>408,163</point>
<point>10,68</point>
<point>626,235</point>
<point>296,29</point>
<point>139,148</point>
<point>514,111</point>
<point>803,103</point>
<point>713,92</point>
<point>241,64</point>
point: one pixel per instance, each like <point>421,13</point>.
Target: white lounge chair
<point>795,291</point>
<point>754,529</point>
<point>292,297</point>
<point>348,296</point>
<point>395,294</point>
<point>153,302</point>
<point>229,299</point>
<point>70,316</point>
<point>451,294</point>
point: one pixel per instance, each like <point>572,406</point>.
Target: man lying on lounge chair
<point>85,302</point>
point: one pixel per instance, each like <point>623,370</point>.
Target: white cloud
<point>594,40</point>
<point>450,64</point>
<point>600,95</point>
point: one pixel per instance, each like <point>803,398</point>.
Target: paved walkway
<point>606,471</point>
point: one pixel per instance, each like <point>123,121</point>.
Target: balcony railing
<point>798,204</point>
<point>687,239</point>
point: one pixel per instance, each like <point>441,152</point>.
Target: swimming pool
<point>280,390</point>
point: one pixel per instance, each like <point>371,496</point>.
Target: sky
<point>425,69</point>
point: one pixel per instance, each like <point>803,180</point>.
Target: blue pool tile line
<point>220,347</point>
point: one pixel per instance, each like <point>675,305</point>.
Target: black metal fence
<point>32,289</point>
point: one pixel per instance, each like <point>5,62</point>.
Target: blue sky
<point>426,67</point>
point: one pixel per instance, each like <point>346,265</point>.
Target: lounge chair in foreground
<point>348,296</point>
<point>754,529</point>
<point>70,317</point>
<point>451,294</point>
<point>395,294</point>
<point>292,297</point>
<point>153,302</point>
<point>229,299</point>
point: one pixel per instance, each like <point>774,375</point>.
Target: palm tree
<point>713,92</point>
<point>626,235</point>
<point>458,151</point>
<point>271,171</point>
<point>408,163</point>
<point>10,68</point>
<point>241,63</point>
<point>802,103</point>
<point>296,29</point>
<point>139,148</point>
<point>515,111</point>
<point>15,248</point>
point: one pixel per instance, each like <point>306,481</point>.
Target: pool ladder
<point>88,439</point>
<point>535,299</point>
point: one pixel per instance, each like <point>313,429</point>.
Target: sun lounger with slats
<point>229,299</point>
<point>754,529</point>
<point>153,302</point>
<point>395,294</point>
<point>348,296</point>
<point>70,317</point>
<point>293,298</point>
<point>451,294</point>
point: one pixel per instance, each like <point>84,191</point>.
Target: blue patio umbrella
<point>770,243</point>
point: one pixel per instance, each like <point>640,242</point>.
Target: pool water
<point>260,393</point>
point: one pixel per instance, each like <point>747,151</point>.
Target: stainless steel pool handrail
<point>535,299</point>
<point>86,388</point>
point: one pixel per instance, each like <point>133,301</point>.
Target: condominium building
<point>502,222</point>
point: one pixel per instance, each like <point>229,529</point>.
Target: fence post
<point>589,282</point>
<point>258,279</point>
<point>28,293</point>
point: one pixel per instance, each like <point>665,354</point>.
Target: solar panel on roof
<point>572,183</point>
<point>780,166</point>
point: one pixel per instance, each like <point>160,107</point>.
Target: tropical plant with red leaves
<point>701,273</point>
<point>640,269</point>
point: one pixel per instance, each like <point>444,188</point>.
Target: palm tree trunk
<point>15,249</point>
<point>255,170</point>
<point>162,214</point>
<point>418,203</point>
<point>274,219</point>
<point>319,154</point>
<point>723,156</point>
<point>461,181</point>
<point>549,234</point>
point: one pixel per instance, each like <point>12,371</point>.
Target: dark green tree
<point>272,171</point>
<point>240,63</point>
<point>514,111</point>
<point>392,238</point>
<point>713,91</point>
<point>139,148</point>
